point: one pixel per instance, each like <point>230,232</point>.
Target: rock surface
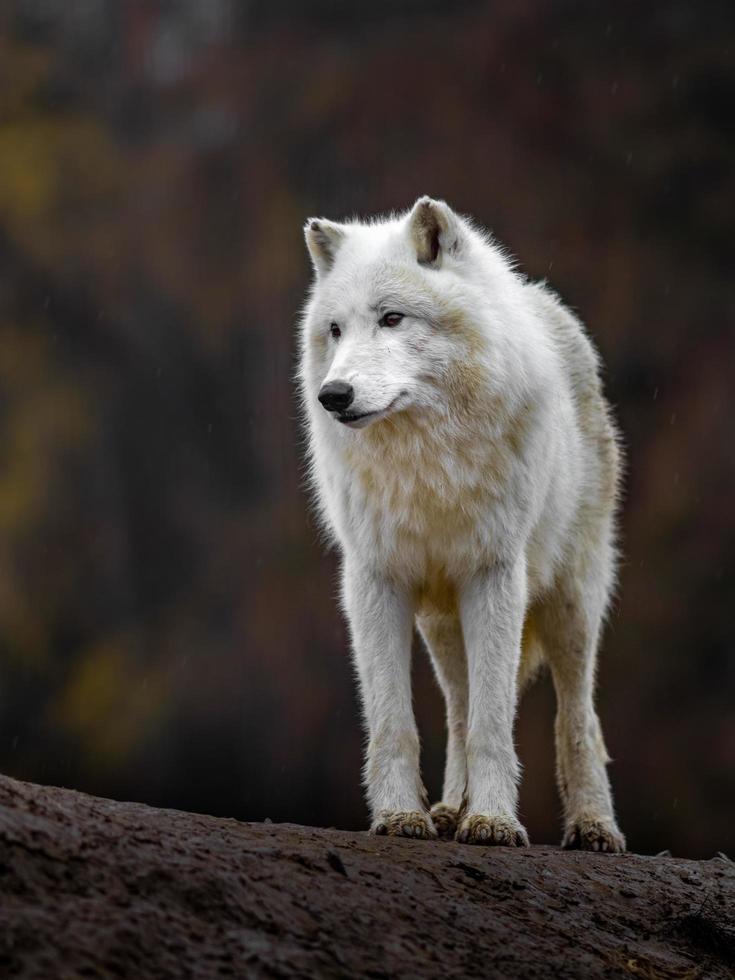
<point>96,888</point>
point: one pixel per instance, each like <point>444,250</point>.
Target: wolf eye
<point>391,319</point>
<point>334,331</point>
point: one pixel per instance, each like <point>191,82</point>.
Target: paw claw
<point>445,819</point>
<point>601,836</point>
<point>501,830</point>
<point>402,823</point>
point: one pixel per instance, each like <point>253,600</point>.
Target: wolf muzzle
<point>336,396</point>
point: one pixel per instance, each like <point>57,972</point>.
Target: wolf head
<point>390,320</point>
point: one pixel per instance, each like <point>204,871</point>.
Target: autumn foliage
<point>167,617</point>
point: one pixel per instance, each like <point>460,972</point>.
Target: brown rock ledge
<point>95,888</point>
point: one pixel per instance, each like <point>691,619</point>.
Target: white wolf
<point>465,461</point>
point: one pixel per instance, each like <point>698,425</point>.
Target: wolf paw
<point>445,820</point>
<point>501,830</point>
<point>594,835</point>
<point>404,823</point>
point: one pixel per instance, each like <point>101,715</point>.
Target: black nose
<point>336,396</point>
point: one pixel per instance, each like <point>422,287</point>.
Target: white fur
<point>476,501</point>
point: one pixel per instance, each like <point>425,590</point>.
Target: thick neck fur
<point>423,483</point>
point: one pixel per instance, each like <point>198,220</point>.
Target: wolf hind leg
<point>442,634</point>
<point>570,621</point>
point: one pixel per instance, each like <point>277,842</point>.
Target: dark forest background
<point>168,629</point>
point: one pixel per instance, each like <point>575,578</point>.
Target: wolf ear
<point>323,239</point>
<point>435,230</point>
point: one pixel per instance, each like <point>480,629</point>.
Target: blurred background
<point>168,625</point>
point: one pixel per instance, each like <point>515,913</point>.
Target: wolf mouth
<point>356,420</point>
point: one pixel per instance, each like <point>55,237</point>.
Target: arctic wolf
<point>465,460</point>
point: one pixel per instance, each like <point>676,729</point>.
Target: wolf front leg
<point>492,607</point>
<point>380,615</point>
<point>442,634</point>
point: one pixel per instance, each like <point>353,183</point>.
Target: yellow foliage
<point>44,416</point>
<point>110,701</point>
<point>56,178</point>
<point>27,170</point>
<point>22,69</point>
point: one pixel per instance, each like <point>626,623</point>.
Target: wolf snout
<point>336,396</point>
